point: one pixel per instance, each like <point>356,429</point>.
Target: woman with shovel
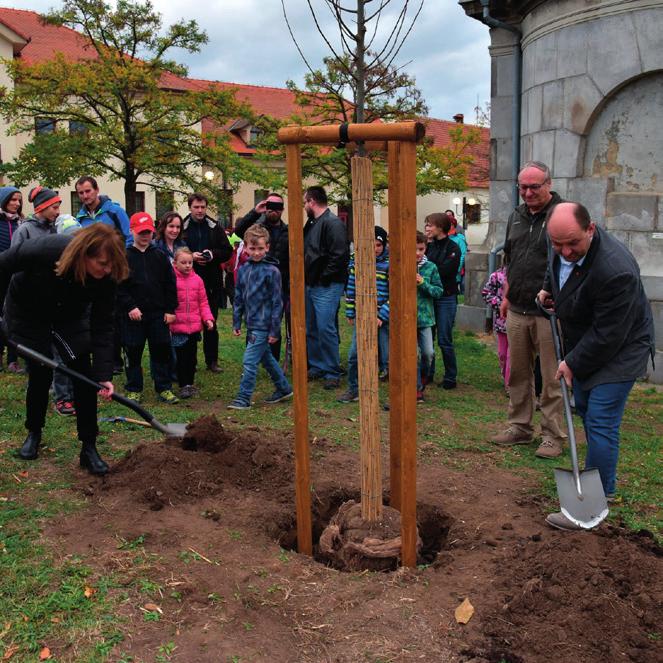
<point>62,291</point>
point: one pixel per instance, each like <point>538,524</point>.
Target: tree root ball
<point>350,543</point>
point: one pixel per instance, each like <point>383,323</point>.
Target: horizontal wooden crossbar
<point>411,132</point>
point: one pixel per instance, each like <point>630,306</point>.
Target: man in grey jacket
<point>525,251</point>
<point>594,283</point>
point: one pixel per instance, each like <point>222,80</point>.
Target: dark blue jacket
<point>258,296</point>
<point>7,226</point>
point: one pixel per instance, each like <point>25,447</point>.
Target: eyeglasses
<point>531,187</point>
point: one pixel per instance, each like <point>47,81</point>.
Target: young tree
<point>124,109</point>
<point>360,82</point>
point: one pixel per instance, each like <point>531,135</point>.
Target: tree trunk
<point>130,191</point>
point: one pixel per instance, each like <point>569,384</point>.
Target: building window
<point>254,134</point>
<point>77,128</point>
<point>258,195</point>
<point>165,202</point>
<point>140,201</point>
<point>44,125</point>
<point>75,203</point>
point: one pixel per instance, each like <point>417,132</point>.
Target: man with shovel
<point>593,282</point>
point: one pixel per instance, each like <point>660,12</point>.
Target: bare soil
<point>218,537</point>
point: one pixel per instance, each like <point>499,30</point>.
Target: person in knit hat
<point>11,207</point>
<point>46,204</point>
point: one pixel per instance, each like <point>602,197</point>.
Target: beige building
<point>23,35</point>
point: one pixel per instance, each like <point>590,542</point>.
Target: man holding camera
<point>210,246</point>
<point>268,213</point>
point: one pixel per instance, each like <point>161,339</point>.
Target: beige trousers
<point>530,335</point>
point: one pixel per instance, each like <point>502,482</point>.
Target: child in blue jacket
<point>258,300</point>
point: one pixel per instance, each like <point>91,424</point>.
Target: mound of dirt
<point>583,597</point>
<point>350,543</point>
<point>202,463</point>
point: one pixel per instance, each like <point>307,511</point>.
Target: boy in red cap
<point>147,302</point>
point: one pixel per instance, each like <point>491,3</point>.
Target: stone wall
<point>592,109</point>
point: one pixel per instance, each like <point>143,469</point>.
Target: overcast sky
<point>249,43</point>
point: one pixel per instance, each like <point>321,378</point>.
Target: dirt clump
<point>205,434</point>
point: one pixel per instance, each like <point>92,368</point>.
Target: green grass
<point>43,589</point>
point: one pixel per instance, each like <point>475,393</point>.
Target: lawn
<point>46,595</point>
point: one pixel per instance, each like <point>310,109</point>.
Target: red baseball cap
<point>141,221</point>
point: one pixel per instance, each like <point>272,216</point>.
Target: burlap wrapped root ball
<point>351,543</point>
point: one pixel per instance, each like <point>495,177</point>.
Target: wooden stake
<point>331,134</point>
<point>366,329</point>
<point>299,358</point>
<point>403,334</point>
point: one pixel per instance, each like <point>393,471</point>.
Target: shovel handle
<point>568,415</point>
<point>25,351</point>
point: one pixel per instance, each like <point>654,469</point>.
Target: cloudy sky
<point>249,43</point>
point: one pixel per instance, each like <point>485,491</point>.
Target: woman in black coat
<point>61,289</point>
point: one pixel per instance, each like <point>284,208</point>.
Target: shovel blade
<point>586,511</point>
<point>176,430</point>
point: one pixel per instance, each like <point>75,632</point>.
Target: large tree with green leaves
<point>125,109</point>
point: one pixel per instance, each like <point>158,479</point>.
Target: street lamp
<point>209,175</point>
<point>456,202</point>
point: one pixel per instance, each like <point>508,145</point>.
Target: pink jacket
<point>192,306</point>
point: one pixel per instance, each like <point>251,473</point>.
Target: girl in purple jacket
<point>192,313</point>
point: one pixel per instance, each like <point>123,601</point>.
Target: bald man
<point>594,283</point>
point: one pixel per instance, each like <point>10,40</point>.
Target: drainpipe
<point>488,20</point>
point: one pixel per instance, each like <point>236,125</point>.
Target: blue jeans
<point>601,409</point>
<point>258,351</point>
<point>426,353</point>
<point>63,389</point>
<point>322,339</point>
<point>445,317</point>
<point>383,355</point>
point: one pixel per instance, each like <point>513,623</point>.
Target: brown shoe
<point>512,436</point>
<point>549,449</point>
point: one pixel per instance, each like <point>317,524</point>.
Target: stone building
<point>589,103</point>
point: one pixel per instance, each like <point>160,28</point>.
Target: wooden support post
<point>403,338</point>
<point>299,358</point>
<point>366,329</point>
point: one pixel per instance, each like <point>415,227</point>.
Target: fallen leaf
<point>464,612</point>
<point>44,654</point>
<point>9,652</point>
<point>153,607</point>
<point>23,473</point>
<point>89,592</point>
<point>55,620</point>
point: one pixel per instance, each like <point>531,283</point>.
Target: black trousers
<point>85,398</point>
<point>211,336</point>
<point>187,357</point>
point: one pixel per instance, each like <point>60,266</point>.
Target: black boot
<point>91,460</point>
<point>30,448</point>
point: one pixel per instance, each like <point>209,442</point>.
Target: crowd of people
<point>93,290</point>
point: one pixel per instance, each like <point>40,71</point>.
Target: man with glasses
<point>528,332</point>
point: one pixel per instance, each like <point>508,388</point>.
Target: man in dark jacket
<point>210,246</point>
<point>268,213</point>
<point>526,250</point>
<point>594,283</point>
<point>326,257</point>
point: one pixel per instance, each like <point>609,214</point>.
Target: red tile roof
<point>479,175</point>
<point>46,40</point>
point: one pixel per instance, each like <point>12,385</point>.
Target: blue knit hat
<point>6,192</point>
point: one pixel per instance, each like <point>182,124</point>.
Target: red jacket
<point>192,306</point>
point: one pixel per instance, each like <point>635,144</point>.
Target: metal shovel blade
<point>171,430</point>
<point>589,508</point>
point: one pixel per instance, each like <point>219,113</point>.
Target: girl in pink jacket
<point>192,313</point>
